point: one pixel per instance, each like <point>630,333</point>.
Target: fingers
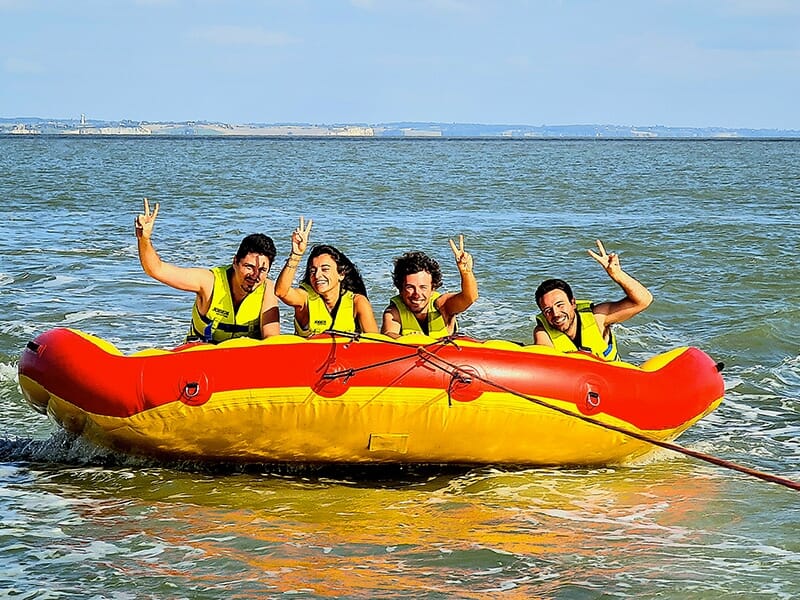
<point>608,261</point>
<point>460,248</point>
<point>304,229</point>
<point>601,248</point>
<point>147,213</point>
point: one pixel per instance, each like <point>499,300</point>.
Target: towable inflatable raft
<point>343,399</point>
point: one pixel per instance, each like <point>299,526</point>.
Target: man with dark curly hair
<point>419,308</point>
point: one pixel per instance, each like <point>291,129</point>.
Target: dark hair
<point>352,278</point>
<point>549,285</point>
<point>257,243</point>
<point>415,262</point>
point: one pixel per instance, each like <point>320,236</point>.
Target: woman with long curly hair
<point>331,295</point>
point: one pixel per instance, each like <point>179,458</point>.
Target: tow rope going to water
<point>455,371</point>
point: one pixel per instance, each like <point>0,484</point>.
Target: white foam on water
<point>8,372</point>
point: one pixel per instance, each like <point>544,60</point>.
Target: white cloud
<point>232,35</point>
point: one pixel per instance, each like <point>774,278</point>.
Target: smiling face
<point>324,274</point>
<point>249,272</point>
<point>559,310</point>
<point>416,291</point>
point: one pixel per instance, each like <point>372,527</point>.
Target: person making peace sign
<point>331,296</point>
<point>419,308</point>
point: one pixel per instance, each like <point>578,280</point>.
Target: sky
<point>675,63</point>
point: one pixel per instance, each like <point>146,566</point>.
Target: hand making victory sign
<point>300,236</point>
<point>610,262</point>
<point>463,258</point>
<point>144,223</point>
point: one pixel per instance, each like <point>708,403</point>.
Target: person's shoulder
<point>442,299</point>
<point>600,308</point>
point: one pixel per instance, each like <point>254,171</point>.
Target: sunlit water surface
<point>711,227</point>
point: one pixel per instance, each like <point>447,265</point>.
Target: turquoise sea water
<point>711,227</point>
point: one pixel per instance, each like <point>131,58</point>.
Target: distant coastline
<point>25,126</point>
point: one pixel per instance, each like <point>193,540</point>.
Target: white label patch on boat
<point>388,442</point>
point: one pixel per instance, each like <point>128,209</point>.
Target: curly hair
<point>415,262</point>
<point>352,277</point>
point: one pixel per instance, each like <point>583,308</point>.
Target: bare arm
<point>541,337</point>
<point>199,281</point>
<point>293,296</point>
<point>392,325</point>
<point>453,304</point>
<point>270,315</point>
<point>637,296</point>
<point>364,315</point>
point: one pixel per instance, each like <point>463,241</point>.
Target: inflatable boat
<point>339,398</point>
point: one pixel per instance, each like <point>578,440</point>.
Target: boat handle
<point>593,399</point>
<point>191,389</point>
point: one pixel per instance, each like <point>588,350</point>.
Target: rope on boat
<point>454,370</point>
<point>347,373</point>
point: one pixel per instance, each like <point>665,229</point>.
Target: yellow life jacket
<point>589,335</point>
<point>319,319</point>
<point>436,327</point>
<point>222,322</point>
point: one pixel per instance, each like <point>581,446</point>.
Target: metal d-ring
<point>191,389</point>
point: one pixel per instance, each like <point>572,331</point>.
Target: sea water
<point>711,227</point>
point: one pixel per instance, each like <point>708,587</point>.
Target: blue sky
<point>691,63</point>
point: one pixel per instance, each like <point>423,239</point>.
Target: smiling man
<point>570,326</point>
<point>419,308</point>
<point>235,300</point>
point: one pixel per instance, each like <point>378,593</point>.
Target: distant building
<point>23,129</point>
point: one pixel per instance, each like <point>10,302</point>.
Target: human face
<point>416,291</point>
<point>250,271</point>
<point>558,309</point>
<point>324,274</point>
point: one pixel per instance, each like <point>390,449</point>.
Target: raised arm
<point>293,296</point>
<point>192,279</point>
<point>453,304</point>
<point>637,296</point>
